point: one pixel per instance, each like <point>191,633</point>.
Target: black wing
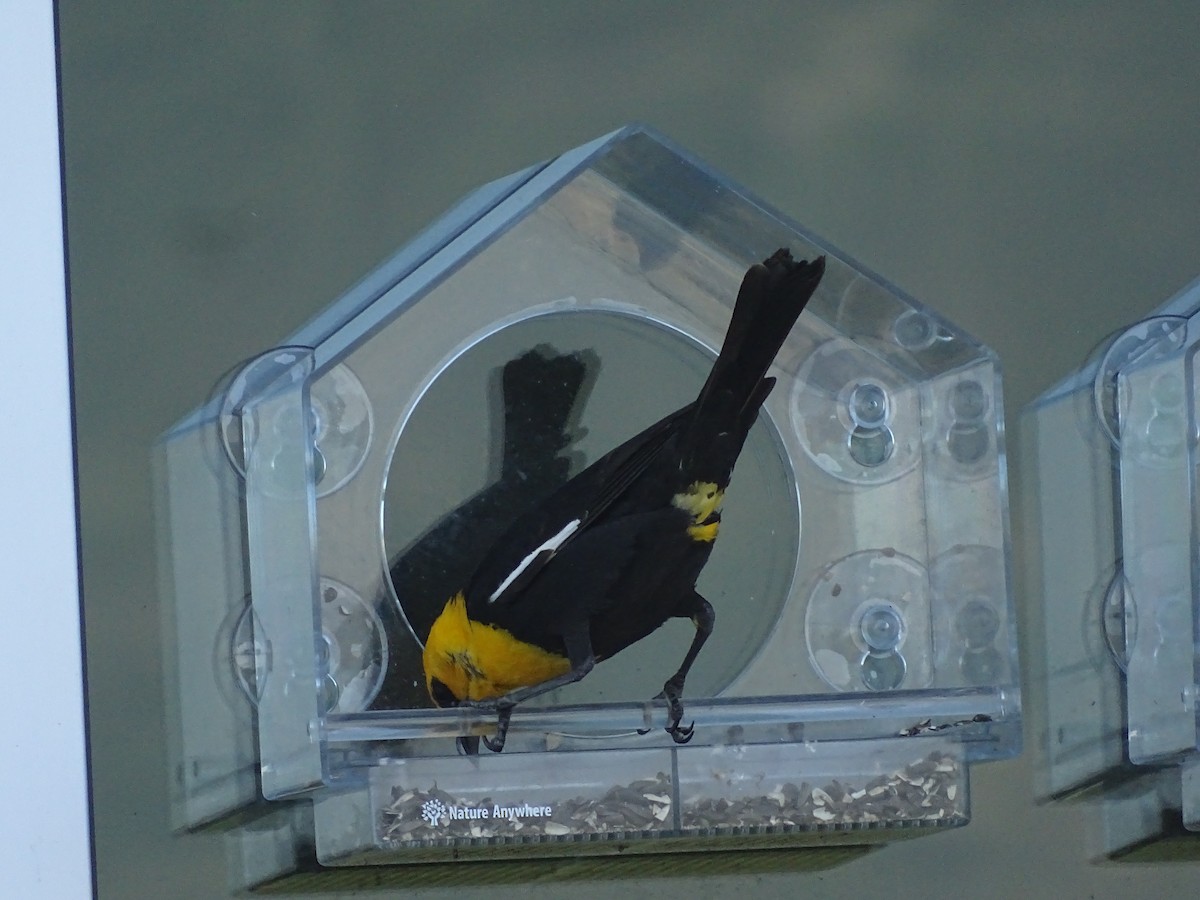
<point>541,534</point>
<point>616,560</point>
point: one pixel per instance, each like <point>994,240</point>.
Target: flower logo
<point>433,811</point>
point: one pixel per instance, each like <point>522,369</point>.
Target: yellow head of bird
<point>469,660</point>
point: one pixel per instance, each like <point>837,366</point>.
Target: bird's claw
<point>503,714</point>
<point>496,744</point>
<point>680,734</point>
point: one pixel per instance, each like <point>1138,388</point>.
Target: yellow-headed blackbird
<point>613,553</point>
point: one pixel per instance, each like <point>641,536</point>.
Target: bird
<point>616,551</point>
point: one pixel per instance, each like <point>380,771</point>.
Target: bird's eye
<point>441,694</point>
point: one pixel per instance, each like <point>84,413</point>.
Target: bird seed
<point>924,791</point>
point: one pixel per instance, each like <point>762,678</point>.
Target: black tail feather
<point>771,298</point>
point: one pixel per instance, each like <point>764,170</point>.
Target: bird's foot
<point>496,744</point>
<point>503,714</point>
<point>672,692</point>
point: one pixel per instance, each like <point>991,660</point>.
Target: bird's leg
<point>703,617</point>
<point>578,641</point>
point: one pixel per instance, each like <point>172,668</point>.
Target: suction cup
<point>857,417</point>
<point>915,331</point>
<point>340,416</point>
<point>1155,426</point>
<point>868,623</point>
<point>1118,615</point>
<point>342,426</point>
<point>1152,338</point>
<point>964,446</point>
<point>354,649</point>
<point>250,654</point>
<point>352,645</point>
<point>970,620</point>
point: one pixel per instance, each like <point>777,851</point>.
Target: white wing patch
<point>550,545</point>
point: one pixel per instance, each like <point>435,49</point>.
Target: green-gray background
<point>1029,169</point>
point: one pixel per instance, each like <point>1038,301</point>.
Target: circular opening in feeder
<point>515,414</point>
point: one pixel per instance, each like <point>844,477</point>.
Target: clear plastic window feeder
<point>1112,511</point>
<point>334,492</point>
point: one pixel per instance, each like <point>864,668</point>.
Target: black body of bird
<point>614,552</point>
